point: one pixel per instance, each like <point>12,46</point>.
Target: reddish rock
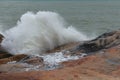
<point>95,67</point>
<point>13,67</point>
<point>35,61</point>
<point>68,73</point>
<point>116,72</point>
<point>101,65</point>
<point>13,58</point>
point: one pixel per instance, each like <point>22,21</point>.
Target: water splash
<point>36,33</point>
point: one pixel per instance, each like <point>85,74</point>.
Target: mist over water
<point>38,32</point>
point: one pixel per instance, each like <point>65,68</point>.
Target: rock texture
<point>3,54</point>
<point>1,37</point>
<point>102,64</point>
<point>104,41</point>
<point>6,57</point>
<point>13,58</point>
<point>34,61</point>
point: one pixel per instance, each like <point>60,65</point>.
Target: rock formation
<point>104,41</point>
<point>7,57</point>
<point>103,64</point>
<point>3,54</point>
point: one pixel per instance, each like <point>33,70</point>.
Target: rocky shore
<point>102,61</point>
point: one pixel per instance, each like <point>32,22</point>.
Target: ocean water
<point>31,27</point>
<point>90,17</point>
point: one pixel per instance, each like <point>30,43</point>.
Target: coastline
<point>103,63</point>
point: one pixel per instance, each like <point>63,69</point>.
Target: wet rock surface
<point>12,58</point>
<point>3,54</point>
<point>104,41</point>
<point>34,61</point>
<point>103,63</point>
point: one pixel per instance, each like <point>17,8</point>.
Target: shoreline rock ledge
<point>103,41</point>
<point>102,64</point>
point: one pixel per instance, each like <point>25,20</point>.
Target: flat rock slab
<point>104,64</point>
<point>100,66</point>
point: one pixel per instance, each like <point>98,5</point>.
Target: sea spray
<point>50,61</point>
<point>36,33</point>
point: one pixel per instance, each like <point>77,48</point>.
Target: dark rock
<point>1,37</point>
<point>34,61</point>
<point>104,41</point>
<point>4,55</point>
<point>12,58</point>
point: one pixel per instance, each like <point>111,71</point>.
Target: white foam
<point>58,57</point>
<point>35,33</point>
<point>53,60</point>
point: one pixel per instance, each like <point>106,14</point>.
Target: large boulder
<point>104,41</point>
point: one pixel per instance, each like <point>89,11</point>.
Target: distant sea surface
<point>89,17</point>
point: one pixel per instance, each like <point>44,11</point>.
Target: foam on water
<point>51,61</point>
<point>58,57</point>
<point>35,33</point>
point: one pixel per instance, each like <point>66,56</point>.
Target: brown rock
<point>13,58</point>
<point>102,65</point>
<point>35,61</point>
<point>117,72</point>
<point>68,73</point>
<point>4,55</point>
<point>13,67</point>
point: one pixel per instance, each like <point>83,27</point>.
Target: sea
<point>34,26</point>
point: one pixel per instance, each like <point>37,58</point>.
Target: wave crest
<point>36,33</point>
